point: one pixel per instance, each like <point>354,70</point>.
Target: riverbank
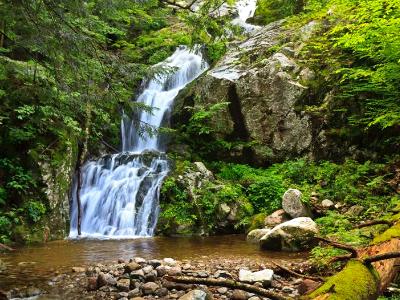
<point>48,267</point>
<point>139,278</point>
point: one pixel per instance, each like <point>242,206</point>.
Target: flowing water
<point>119,193</point>
<point>245,10</point>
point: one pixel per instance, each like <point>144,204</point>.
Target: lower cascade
<point>120,192</point>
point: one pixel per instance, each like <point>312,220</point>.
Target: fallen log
<point>227,283</point>
<point>366,275</point>
<point>356,282</point>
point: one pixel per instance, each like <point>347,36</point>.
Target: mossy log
<point>367,275</point>
<point>355,282</point>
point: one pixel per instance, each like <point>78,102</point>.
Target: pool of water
<point>34,264</point>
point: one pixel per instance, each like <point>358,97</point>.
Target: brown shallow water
<point>37,264</point>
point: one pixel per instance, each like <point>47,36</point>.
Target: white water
<point>120,193</point>
<point>246,10</point>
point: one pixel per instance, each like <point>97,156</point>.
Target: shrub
<point>35,210</point>
<point>266,195</point>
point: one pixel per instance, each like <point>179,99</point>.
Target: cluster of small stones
<point>139,279</point>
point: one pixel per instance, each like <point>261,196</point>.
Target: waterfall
<point>246,10</point>
<point>120,192</point>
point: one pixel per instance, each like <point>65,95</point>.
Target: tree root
<point>314,278</point>
<point>372,223</point>
<point>227,283</point>
<point>352,250</point>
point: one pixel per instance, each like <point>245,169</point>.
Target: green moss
<point>257,221</point>
<point>392,232</point>
<point>355,281</point>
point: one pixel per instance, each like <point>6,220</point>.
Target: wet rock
<point>162,292</point>
<point>78,269</point>
<point>276,218</point>
<point>106,279</point>
<point>134,293</point>
<point>139,260</point>
<point>138,274</point>
<point>195,295</point>
<point>149,288</point>
<point>169,262</point>
<point>223,274</point>
<point>254,298</point>
<point>137,298</point>
<point>255,235</point>
<point>327,204</point>
<point>132,266</point>
<point>172,271</point>
<point>294,235</point>
<point>91,283</point>
<point>154,263</point>
<point>293,205</point>
<point>239,295</point>
<point>151,276</point>
<point>123,285</point>
<point>122,295</point>
<point>264,276</point>
<point>222,290</point>
<point>355,210</point>
<point>147,269</point>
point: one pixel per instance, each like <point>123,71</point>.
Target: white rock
<point>264,276</point>
<point>169,261</point>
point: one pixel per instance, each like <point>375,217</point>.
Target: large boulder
<point>294,235</point>
<point>293,205</point>
<point>263,88</point>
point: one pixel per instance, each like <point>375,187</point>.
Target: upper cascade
<point>182,67</point>
<point>245,9</point>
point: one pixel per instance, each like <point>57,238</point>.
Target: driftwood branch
<point>372,223</point>
<point>379,257</point>
<point>227,283</point>
<point>315,278</point>
<point>2,246</point>
<point>352,250</point>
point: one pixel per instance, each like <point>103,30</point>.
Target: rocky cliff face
<point>57,172</point>
<point>265,84</point>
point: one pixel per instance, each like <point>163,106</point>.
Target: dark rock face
<point>265,89</point>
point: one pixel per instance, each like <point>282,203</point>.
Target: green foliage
<point>321,256</point>
<point>357,55</point>
<point>271,10</point>
<point>35,210</point>
<point>266,195</point>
